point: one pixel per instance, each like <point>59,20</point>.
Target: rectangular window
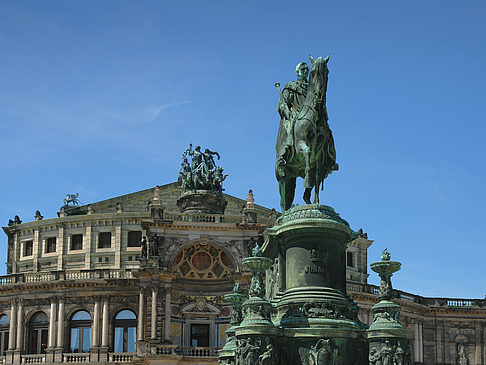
<point>349,259</point>
<point>28,248</point>
<point>199,335</point>
<point>51,244</point>
<point>76,242</point>
<point>104,240</point>
<point>134,238</point>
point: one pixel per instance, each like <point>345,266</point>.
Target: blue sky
<point>101,98</point>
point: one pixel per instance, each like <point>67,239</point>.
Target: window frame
<point>102,244</point>
<point>40,330</point>
<point>81,325</point>
<point>138,240</point>
<point>349,255</point>
<point>51,242</point>
<point>125,325</point>
<point>28,244</point>
<point>72,247</point>
<point>4,335</point>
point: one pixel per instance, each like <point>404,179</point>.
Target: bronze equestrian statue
<point>305,146</point>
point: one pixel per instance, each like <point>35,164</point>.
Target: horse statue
<point>310,154</point>
<point>71,198</point>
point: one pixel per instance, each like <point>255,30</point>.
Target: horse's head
<point>318,75</point>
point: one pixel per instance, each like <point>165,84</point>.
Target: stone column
<point>60,331</point>
<point>167,314</point>
<point>153,332</point>
<point>95,332</point>
<point>60,324</point>
<point>141,316</point>
<point>52,328</point>
<point>105,329</point>
<point>13,325</point>
<point>416,342</point>
<point>87,247</point>
<point>103,355</point>
<point>20,326</point>
<point>60,247</point>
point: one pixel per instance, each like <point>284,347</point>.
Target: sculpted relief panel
<point>202,261</point>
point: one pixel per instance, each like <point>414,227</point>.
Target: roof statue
<point>305,146</point>
<point>71,198</point>
<point>201,173</point>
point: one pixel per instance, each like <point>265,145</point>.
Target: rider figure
<point>289,106</point>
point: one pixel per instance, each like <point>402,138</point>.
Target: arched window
<point>80,332</point>
<point>125,331</point>
<point>4,328</point>
<point>38,327</point>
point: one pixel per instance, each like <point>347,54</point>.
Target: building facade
<point>140,279</point>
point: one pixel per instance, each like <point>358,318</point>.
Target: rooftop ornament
<point>71,199</point>
<point>201,172</point>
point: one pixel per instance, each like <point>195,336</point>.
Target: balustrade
<point>33,359</point>
<point>120,357</point>
<point>75,358</point>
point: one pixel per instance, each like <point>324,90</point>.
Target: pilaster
<point>60,247</point>
<point>167,319</point>
<point>36,249</point>
<point>118,241</point>
<point>87,246</point>
<point>16,252</point>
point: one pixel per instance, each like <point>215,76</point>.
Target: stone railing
<point>121,356</point>
<point>75,358</point>
<point>7,280</point>
<point>79,275</point>
<point>199,351</point>
<point>210,218</point>
<point>407,297</point>
<point>37,277</point>
<point>66,275</point>
<point>33,359</point>
<point>185,351</point>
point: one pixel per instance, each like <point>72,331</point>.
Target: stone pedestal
<point>316,320</point>
<point>50,355</point>
<point>58,354</point>
<point>202,201</point>
<point>103,354</point>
